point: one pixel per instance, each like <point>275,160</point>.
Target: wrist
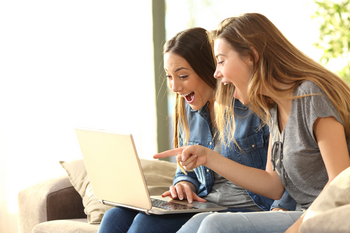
<point>211,158</point>
<point>192,186</point>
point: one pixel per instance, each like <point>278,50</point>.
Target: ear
<point>255,54</point>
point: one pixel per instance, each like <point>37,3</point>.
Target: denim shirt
<point>251,138</point>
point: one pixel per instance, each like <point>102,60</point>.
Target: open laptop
<point>116,176</point>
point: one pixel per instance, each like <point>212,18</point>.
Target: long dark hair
<point>195,46</point>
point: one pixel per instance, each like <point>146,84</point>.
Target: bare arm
<point>334,150</point>
<point>266,183</point>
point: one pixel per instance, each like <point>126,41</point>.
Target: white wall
<point>63,64</point>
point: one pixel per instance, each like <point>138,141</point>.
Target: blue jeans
<point>121,220</point>
<point>254,222</point>
<point>124,220</point>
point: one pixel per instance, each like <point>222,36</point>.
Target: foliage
<point>334,36</point>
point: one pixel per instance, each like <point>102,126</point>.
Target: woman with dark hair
<point>190,65</point>
<point>307,108</point>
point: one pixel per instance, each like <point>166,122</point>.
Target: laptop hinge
<point>126,206</point>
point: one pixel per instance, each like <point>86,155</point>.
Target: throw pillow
<point>158,175</point>
<point>331,209</point>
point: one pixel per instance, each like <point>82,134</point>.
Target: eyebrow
<point>219,54</point>
<point>178,69</point>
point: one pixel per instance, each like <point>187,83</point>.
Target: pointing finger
<point>169,153</point>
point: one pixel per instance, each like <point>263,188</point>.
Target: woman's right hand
<point>189,157</point>
<point>183,190</point>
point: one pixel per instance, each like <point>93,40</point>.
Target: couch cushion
<point>66,226</point>
<point>158,174</point>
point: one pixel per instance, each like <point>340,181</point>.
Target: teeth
<point>184,95</point>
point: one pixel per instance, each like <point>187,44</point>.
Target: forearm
<point>253,179</point>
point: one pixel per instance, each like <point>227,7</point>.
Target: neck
<point>284,106</point>
<point>241,97</point>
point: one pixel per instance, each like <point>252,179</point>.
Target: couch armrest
<point>51,199</point>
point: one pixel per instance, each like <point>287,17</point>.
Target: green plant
<point>334,36</point>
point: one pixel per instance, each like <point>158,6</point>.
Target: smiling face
<point>184,81</point>
<point>231,68</point>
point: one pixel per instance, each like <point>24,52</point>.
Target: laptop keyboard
<point>170,205</point>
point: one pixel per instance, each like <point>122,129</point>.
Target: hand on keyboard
<point>168,205</point>
<point>183,190</point>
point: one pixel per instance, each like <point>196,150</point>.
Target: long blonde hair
<point>195,45</point>
<point>279,61</point>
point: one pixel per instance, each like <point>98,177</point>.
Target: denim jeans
<point>253,222</point>
<point>122,220</point>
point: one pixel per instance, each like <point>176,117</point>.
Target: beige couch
<point>66,204</point>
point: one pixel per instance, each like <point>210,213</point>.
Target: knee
<point>211,219</point>
<point>117,213</point>
<point>194,223</point>
<point>117,220</point>
<point>109,214</point>
<point>212,223</point>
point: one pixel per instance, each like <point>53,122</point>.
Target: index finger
<point>169,153</point>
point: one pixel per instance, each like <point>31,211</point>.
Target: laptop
<point>116,176</point>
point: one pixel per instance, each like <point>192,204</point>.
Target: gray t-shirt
<point>226,193</point>
<point>305,173</point>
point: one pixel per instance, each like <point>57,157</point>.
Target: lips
<point>189,97</point>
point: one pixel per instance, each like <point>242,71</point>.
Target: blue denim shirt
<point>252,140</point>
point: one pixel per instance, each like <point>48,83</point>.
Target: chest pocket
<point>252,150</point>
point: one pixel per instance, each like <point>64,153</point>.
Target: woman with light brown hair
<point>189,65</point>
<point>306,106</point>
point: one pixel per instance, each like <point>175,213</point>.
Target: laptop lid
<point>113,168</point>
<point>116,175</point>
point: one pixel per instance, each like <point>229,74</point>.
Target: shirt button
<point>253,145</point>
<point>210,143</point>
<point>207,170</point>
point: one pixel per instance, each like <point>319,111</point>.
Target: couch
<point>66,203</point>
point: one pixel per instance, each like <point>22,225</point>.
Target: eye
<point>168,76</point>
<point>183,76</point>
<point>220,62</point>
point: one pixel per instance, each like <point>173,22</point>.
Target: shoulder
<point>307,87</point>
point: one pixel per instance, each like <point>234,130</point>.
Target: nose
<point>175,85</point>
<point>217,73</point>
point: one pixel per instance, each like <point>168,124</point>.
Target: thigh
<point>194,223</point>
<point>117,220</point>
<point>158,223</point>
<point>254,222</point>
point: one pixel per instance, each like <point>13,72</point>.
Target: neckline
<point>294,93</point>
<point>281,133</point>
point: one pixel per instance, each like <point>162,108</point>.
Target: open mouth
<point>189,97</point>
